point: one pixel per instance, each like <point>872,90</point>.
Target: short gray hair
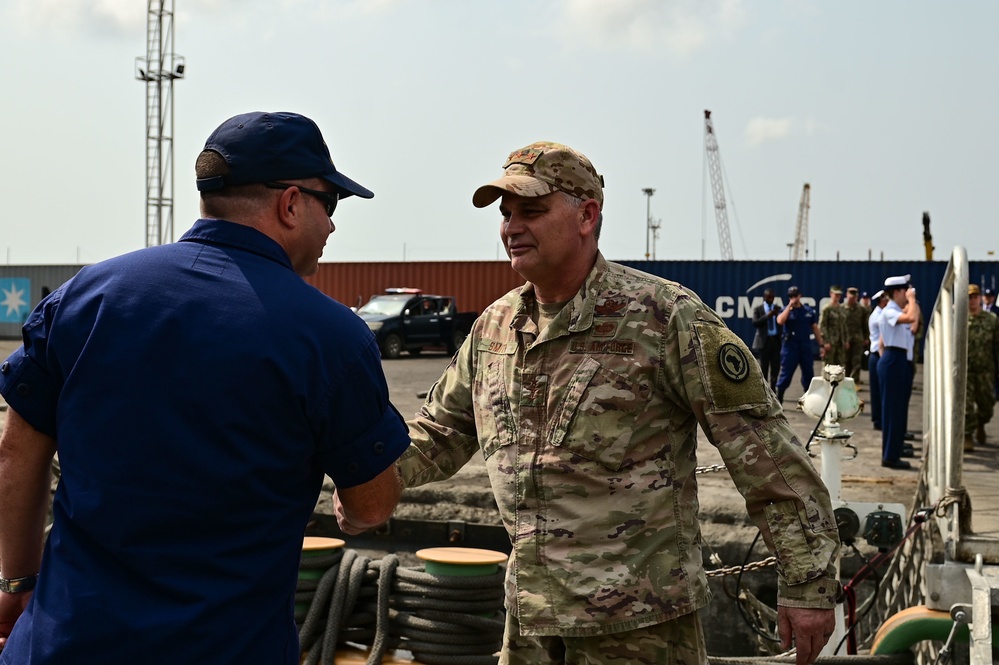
<point>575,202</point>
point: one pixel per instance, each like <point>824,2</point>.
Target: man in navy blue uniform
<point>896,326</point>
<point>799,322</point>
<point>197,393</point>
<point>990,302</point>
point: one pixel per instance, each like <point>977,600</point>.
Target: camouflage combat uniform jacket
<point>588,433</point>
<point>855,318</point>
<point>832,325</point>
<point>983,344</point>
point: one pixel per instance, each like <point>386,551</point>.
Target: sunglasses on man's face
<point>329,199</point>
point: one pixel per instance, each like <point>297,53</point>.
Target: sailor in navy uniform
<point>895,366</point>
<point>799,322</point>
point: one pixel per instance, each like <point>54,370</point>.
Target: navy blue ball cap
<point>265,147</point>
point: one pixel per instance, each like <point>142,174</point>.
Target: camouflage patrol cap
<point>974,290</point>
<point>835,289</point>
<point>853,290</point>
<point>543,168</point>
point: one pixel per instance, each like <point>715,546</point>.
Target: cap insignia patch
<point>525,156</point>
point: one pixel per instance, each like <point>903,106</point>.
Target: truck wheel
<point>392,347</point>
<point>457,338</point>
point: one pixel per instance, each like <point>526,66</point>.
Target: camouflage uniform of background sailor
<point>832,325</point>
<point>983,350</point>
<point>588,429</point>
<point>857,333</point>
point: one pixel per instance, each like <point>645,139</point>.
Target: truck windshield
<point>384,305</point>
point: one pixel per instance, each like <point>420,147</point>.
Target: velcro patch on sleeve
<point>731,375</point>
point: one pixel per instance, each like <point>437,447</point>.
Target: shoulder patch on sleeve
<point>732,378</point>
<point>733,362</point>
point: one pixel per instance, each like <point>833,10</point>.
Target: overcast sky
<point>888,109</point>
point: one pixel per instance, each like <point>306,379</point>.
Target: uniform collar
<point>580,308</point>
<point>230,234</point>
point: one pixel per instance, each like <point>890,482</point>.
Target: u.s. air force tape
<point>733,362</point>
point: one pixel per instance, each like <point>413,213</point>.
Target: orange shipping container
<point>474,284</point>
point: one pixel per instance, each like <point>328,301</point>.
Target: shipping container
<point>734,288</point>
<point>23,287</point>
<point>474,284</point>
<point>731,288</point>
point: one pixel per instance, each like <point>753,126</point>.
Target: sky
<point>886,109</point>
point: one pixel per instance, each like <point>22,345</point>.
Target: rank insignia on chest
<point>733,362</point>
<point>613,306</point>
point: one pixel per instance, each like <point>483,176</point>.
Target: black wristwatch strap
<point>18,584</point>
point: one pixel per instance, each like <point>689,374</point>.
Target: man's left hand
<point>809,629</point>
<point>11,607</point>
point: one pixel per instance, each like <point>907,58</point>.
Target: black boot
<point>780,395</point>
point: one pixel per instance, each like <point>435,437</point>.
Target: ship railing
<point>945,366</point>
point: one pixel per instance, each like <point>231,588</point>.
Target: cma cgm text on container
<point>734,288</point>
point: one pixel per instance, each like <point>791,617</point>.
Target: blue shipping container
<point>734,288</point>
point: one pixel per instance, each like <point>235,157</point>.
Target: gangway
<point>960,575</point>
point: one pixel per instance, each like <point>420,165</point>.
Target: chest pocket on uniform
<point>598,414</point>
<point>494,420</point>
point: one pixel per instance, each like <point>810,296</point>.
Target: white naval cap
<point>877,296</point>
<point>898,280</point>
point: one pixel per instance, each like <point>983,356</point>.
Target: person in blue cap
<point>799,322</point>
<point>896,327</point>
<point>197,393</point>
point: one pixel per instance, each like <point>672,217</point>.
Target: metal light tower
<point>159,69</point>
<point>648,191</point>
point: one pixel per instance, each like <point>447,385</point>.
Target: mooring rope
<point>441,620</point>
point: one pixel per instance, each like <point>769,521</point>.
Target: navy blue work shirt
<point>198,392</point>
<point>798,327</point>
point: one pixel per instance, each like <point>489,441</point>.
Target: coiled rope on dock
<point>441,620</point>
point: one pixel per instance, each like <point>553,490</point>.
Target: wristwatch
<point>18,584</point>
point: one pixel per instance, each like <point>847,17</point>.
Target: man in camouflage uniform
<point>583,390</point>
<point>855,316</point>
<point>983,349</point>
<point>832,323</point>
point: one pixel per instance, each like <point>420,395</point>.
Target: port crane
<point>799,251</point>
<point>927,237</point>
<point>717,187</point>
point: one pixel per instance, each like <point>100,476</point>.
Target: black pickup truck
<point>408,319</point>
